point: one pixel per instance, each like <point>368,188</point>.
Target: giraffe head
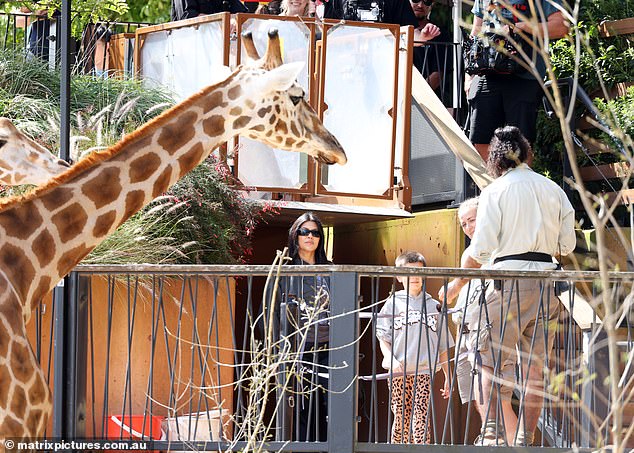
<point>23,161</point>
<point>280,115</point>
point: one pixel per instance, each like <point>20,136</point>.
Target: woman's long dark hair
<point>508,149</point>
<point>293,247</point>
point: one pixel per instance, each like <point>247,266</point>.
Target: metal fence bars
<point>330,358</point>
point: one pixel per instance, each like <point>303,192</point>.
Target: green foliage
<point>548,150</point>
<point>620,113</point>
<point>202,219</point>
<point>147,237</point>
<point>83,11</point>
<point>220,217</point>
<point>611,58</point>
<point>152,11</point>
<point>608,59</point>
<point>30,92</point>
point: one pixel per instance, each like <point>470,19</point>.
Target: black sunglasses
<point>425,2</point>
<point>306,232</point>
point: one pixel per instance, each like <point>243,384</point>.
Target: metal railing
<point>436,62</point>
<point>190,358</point>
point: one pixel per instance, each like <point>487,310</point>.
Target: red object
<point>134,427</point>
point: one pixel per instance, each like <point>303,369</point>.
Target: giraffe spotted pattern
<point>45,233</point>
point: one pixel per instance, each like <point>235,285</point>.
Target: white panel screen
<point>359,93</point>
<point>184,60</point>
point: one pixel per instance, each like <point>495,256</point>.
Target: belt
<point>528,256</point>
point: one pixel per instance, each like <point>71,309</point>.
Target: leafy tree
<point>602,60</point>
<point>152,11</point>
<point>83,11</point>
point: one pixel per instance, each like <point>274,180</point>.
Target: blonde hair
<point>467,205</point>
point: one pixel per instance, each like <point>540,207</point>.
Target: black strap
<point>528,256</point>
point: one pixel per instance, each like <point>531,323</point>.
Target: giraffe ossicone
<point>24,161</point>
<point>45,233</point>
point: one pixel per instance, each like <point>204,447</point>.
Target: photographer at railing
<point>498,99</point>
<point>433,61</point>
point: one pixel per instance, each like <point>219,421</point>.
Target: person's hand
<point>428,32</point>
<point>452,292</point>
<point>467,83</point>
<point>441,295</point>
<point>391,362</point>
<point>444,391</point>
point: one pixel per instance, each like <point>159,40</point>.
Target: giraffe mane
<point>97,157</point>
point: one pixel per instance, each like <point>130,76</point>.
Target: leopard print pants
<point>402,405</point>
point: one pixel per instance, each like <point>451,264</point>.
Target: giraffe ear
<point>282,77</point>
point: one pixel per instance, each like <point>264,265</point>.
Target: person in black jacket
<point>185,9</point>
<point>304,300</point>
<point>312,295</point>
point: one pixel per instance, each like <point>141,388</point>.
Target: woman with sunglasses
<point>312,295</point>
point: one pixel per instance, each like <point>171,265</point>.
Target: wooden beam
<point>609,28</point>
<point>606,171</point>
<point>627,196</point>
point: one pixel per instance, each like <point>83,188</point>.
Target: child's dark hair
<point>410,257</point>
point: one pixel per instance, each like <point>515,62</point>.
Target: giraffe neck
<point>45,234</point>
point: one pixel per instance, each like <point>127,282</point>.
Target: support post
<point>594,393</point>
<point>343,357</point>
<point>71,343</point>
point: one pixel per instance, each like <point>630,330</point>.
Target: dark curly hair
<point>293,247</point>
<point>508,149</point>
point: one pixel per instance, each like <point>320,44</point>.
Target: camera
<point>491,53</point>
<point>364,10</point>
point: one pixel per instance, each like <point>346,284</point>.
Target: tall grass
<point>202,219</point>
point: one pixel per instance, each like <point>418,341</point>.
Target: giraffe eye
<point>296,99</point>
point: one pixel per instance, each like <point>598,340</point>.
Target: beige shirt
<point>522,211</point>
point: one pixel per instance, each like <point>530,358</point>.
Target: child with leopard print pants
<point>414,341</point>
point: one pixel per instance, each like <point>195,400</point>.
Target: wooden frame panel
<point>142,32</point>
<point>241,19</point>
<point>322,106</point>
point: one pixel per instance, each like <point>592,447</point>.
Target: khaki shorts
<point>468,382</point>
<point>520,322</point>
